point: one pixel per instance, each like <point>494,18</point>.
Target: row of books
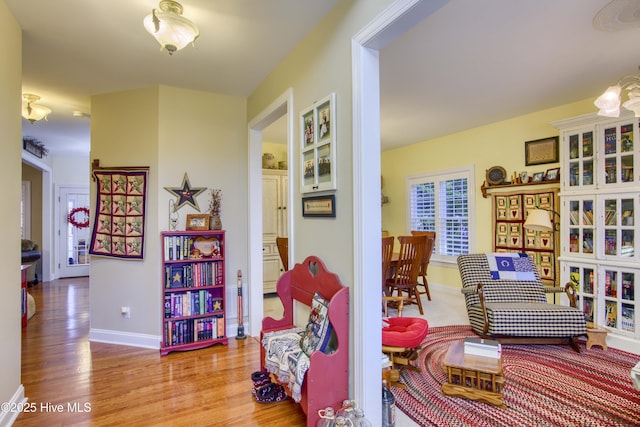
<point>178,248</point>
<point>192,330</point>
<point>190,303</point>
<point>193,275</point>
<point>627,320</point>
<point>482,347</point>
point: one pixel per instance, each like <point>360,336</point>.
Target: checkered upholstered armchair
<point>517,311</point>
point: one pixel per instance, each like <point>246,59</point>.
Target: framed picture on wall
<point>318,147</point>
<point>541,151</point>
<point>319,206</point>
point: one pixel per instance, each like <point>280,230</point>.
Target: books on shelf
<point>186,248</point>
<point>627,320</point>
<point>193,275</point>
<point>482,347</point>
<point>194,291</point>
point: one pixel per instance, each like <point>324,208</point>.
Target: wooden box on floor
<point>473,377</point>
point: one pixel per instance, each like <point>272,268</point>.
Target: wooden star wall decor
<point>186,194</point>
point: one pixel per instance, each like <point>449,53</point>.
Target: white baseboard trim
<point>7,418</point>
<point>630,345</point>
<point>124,338</point>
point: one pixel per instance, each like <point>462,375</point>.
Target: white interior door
<point>73,259</point>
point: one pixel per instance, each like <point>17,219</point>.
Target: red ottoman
<point>407,332</point>
<point>401,339</point>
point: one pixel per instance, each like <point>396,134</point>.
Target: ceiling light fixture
<point>32,111</point>
<point>172,31</point>
<point>609,102</point>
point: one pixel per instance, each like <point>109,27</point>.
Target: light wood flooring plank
<point>122,385</point>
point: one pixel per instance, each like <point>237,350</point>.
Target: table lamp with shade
<point>538,220</point>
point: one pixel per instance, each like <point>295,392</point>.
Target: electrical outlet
<point>125,311</point>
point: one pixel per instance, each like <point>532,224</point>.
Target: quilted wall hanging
<point>509,215</point>
<point>119,221</point>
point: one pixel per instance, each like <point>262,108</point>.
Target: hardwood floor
<point>70,381</point>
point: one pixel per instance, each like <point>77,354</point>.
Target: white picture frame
<point>318,146</point>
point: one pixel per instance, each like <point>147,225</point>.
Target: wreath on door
<point>83,217</point>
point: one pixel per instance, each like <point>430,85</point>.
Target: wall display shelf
<point>193,290</point>
<point>318,151</point>
<point>488,189</point>
<point>600,196</point>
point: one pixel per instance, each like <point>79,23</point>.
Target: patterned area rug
<point>545,385</point>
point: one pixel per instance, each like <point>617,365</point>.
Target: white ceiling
<point>471,63</point>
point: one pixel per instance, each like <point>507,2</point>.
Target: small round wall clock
<point>496,175</point>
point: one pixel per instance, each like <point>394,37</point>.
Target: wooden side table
<point>473,377</point>
<point>596,335</point>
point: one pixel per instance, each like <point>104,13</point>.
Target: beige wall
<point>172,131</point>
<point>70,170</point>
<point>318,66</point>
<point>10,169</point>
<point>496,144</point>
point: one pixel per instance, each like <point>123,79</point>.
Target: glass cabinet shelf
<point>581,226</point>
<point>581,159</point>
<point>618,227</point>
<point>619,152</point>
<point>583,278</point>
<point>619,299</point>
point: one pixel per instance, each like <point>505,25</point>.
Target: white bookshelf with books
<point>193,290</point>
<point>600,195</point>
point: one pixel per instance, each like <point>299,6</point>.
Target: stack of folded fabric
<point>266,391</point>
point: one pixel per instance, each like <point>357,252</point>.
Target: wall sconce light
<point>169,28</point>
<point>32,111</point>
<point>609,102</point>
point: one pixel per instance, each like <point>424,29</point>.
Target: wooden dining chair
<point>407,268</point>
<point>387,255</point>
<point>428,250</point>
<point>283,249</point>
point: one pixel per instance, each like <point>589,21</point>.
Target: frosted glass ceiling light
<point>609,102</point>
<point>32,111</point>
<point>633,104</point>
<point>172,30</point>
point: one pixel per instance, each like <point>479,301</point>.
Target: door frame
<point>278,108</point>
<point>399,17</point>
<point>58,220</point>
<point>46,248</point>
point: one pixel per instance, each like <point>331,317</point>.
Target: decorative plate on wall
<point>496,175</point>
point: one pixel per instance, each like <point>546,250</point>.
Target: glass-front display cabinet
<point>619,153</point>
<point>618,228</point>
<point>618,301</point>
<point>581,225</point>
<point>599,201</point>
<point>583,277</point>
<point>581,154</point>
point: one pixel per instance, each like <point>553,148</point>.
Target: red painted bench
<point>327,380</point>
